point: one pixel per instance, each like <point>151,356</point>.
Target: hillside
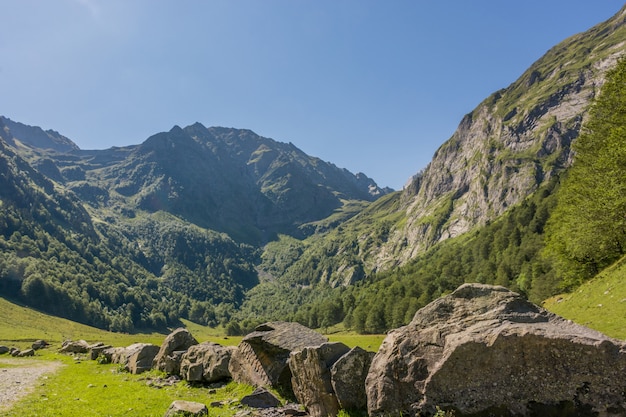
<point>509,146</point>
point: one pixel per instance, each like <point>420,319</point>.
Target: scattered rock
<point>261,357</point>
<point>206,362</point>
<point>311,382</point>
<point>484,349</point>
<point>4,350</point>
<point>70,346</point>
<point>348,375</point>
<point>39,344</point>
<point>261,398</point>
<point>186,409</point>
<point>170,354</point>
<point>27,352</point>
<point>96,350</point>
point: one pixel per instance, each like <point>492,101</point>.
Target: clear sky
<point>371,86</point>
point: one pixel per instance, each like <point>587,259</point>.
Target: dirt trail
<point>20,377</point>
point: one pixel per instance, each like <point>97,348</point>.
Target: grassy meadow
<point>86,388</point>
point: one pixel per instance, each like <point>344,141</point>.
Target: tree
<point>587,230</point>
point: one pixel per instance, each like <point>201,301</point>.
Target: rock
<point>348,375</point>
<point>206,362</point>
<point>4,350</point>
<point>178,341</point>
<point>484,349</point>
<point>14,351</point>
<point>261,398</point>
<point>39,344</point>
<point>186,409</point>
<point>140,357</point>
<point>70,346</point>
<point>311,383</point>
<point>261,357</point>
<point>27,352</point>
<point>96,350</point>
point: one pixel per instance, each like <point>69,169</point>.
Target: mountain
<point>513,143</point>
<point>144,234</point>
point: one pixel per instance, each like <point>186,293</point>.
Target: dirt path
<point>20,377</point>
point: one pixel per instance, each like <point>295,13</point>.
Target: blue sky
<point>371,86</point>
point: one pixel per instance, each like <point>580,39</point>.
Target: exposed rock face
<point>348,375</point>
<point>169,355</point>
<point>484,349</point>
<point>206,362</point>
<point>311,380</point>
<point>261,357</point>
<point>186,408</point>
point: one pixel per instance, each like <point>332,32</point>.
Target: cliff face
<point>513,142</point>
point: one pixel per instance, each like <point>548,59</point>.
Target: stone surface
<point>348,375</point>
<point>261,398</point>
<point>39,344</point>
<point>79,346</point>
<point>170,353</point>
<point>4,349</point>
<point>140,357</point>
<point>484,349</point>
<point>311,379</point>
<point>261,357</point>
<point>186,409</point>
<point>206,362</point>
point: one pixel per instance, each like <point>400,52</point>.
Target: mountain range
<point>218,223</point>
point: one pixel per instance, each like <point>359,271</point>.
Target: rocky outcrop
<point>347,376</point>
<point>311,379</point>
<point>206,362</point>
<point>485,349</point>
<point>170,354</point>
<point>261,357</point>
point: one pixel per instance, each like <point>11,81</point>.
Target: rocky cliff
<point>508,146</point>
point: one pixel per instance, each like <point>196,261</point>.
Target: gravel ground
<point>20,377</point>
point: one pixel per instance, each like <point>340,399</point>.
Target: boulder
<point>261,357</point>
<point>186,409</point>
<point>485,349</point>
<point>4,349</point>
<point>39,344</point>
<point>348,375</point>
<point>96,350</point>
<point>136,358</point>
<point>140,357</point>
<point>206,362</point>
<point>311,380</point>
<point>70,346</point>
<point>169,355</point>
<point>27,352</point>
<point>260,398</point>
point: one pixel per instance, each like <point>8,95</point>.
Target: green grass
<point>85,388</point>
<point>599,304</point>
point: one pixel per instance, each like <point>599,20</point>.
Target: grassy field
<point>86,388</point>
<point>599,303</point>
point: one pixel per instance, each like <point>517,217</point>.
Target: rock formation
<point>485,349</point>
<point>261,357</point>
<point>170,354</point>
<point>311,379</point>
<point>347,376</point>
<point>206,362</point>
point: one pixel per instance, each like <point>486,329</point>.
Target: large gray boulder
<point>261,357</point>
<point>311,379</point>
<point>170,354</point>
<point>485,349</point>
<point>206,362</point>
<point>347,376</point>
<point>140,357</point>
<point>71,346</point>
